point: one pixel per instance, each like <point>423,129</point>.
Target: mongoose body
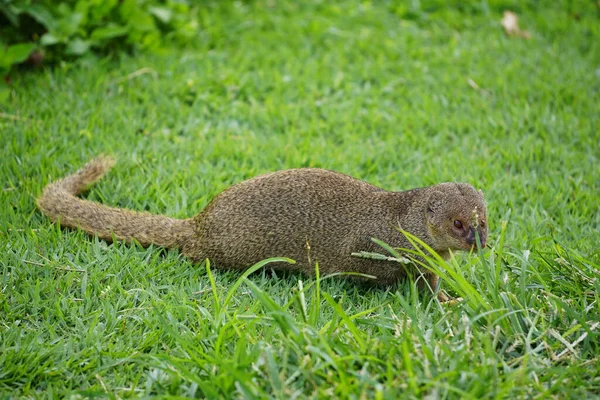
<point>305,214</point>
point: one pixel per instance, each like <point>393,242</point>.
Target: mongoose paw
<point>443,297</point>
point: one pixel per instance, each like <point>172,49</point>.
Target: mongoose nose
<point>471,237</point>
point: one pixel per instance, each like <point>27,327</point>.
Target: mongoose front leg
<point>429,282</point>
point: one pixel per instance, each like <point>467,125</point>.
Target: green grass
<point>400,96</point>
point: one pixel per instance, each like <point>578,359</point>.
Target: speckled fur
<point>303,214</point>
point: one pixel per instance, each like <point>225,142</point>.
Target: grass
<point>400,96</point>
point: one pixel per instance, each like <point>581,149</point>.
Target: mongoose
<point>303,214</point>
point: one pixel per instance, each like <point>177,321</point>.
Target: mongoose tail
<point>60,203</point>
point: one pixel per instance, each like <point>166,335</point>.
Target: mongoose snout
<point>308,214</point>
<point>471,237</point>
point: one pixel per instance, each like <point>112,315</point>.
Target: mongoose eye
<point>458,224</point>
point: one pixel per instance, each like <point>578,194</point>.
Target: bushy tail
<point>59,202</point>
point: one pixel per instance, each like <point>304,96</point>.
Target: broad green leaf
<point>16,53</point>
<point>141,21</point>
<point>41,14</point>
<point>150,40</point>
<point>11,13</point>
<point>82,7</point>
<point>69,24</point>
<point>109,32</point>
<point>77,47</point>
<point>63,9</point>
<point>101,10</point>
<point>127,8</point>
<point>163,14</point>
<point>48,39</point>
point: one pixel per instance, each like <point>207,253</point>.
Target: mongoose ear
<point>481,193</point>
<point>436,201</point>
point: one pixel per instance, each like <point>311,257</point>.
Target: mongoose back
<point>305,214</point>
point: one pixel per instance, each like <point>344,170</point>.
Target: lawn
<point>398,95</point>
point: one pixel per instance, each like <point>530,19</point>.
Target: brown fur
<point>284,214</point>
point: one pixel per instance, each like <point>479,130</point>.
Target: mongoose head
<point>456,213</point>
